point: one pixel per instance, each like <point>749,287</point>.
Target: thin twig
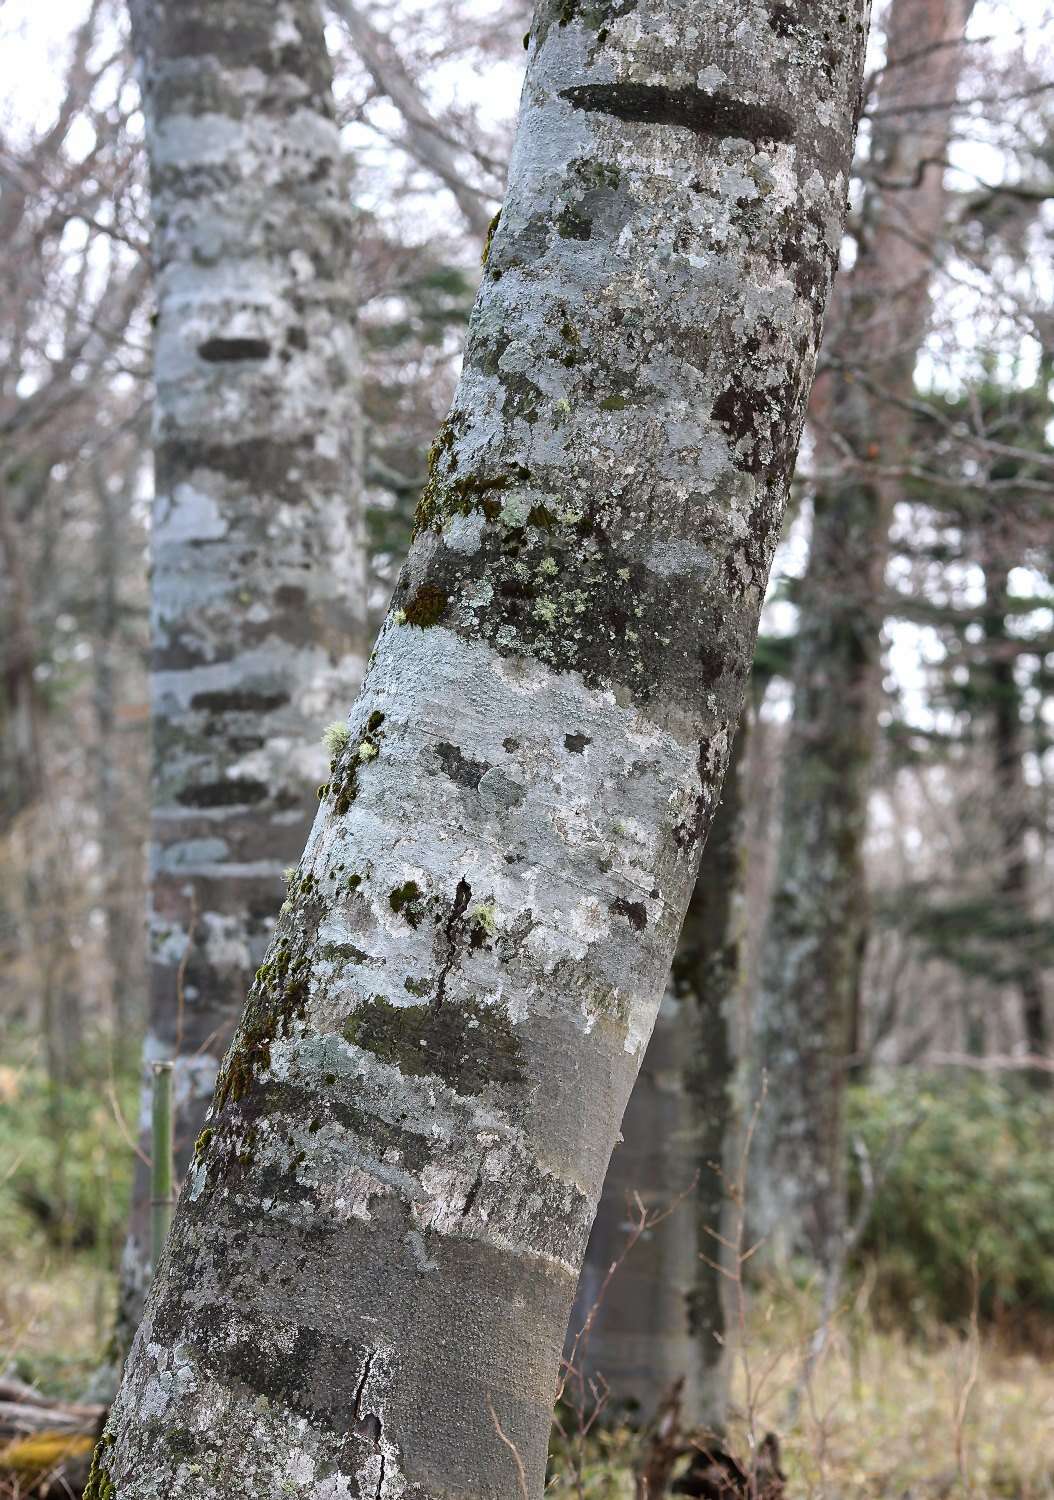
<point>520,1470</point>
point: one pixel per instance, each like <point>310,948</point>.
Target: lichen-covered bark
<point>811,958</point>
<point>668,1312</point>
<point>257,578</point>
<point>381,1235</point>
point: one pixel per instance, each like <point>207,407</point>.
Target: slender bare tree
<point>813,947</point>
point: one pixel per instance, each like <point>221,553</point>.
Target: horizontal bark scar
<point>693,109</point>
<point>218,351</point>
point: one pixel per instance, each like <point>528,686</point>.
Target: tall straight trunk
<point>257,585</point>
<point>667,1312</point>
<point>1013,798</point>
<point>116,848</point>
<point>372,1264</point>
<point>810,967</point>
<point>41,917</point>
<point>710,969</point>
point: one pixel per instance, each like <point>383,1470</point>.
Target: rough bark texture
<point>257,584</point>
<point>667,1312</point>
<point>383,1229</point>
<point>811,960</point>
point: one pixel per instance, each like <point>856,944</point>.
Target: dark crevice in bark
<point>473,1192</point>
<point>238,700</point>
<point>693,109</point>
<point>368,1424</point>
<point>459,767</point>
<point>462,896</point>
<point>633,911</point>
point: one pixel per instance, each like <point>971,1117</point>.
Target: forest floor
<point>887,1418</point>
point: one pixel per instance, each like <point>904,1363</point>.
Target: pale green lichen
<point>368,751</point>
<point>485,916</point>
<point>336,737</point>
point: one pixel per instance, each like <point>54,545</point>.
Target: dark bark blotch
<point>711,114</point>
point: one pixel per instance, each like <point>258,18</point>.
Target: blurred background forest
<point>936,848</point>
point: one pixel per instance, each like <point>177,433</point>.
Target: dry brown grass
<point>885,1418</point>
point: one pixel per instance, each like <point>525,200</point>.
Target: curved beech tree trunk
<point>380,1238</point>
<point>810,966</point>
<point>667,1311</point>
<point>257,585</point>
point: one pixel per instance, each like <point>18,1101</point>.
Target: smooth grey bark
<point>380,1238</point>
<point>668,1312</point>
<point>257,581</point>
<point>810,964</point>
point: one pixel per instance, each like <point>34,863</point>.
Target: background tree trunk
<point>373,1263</point>
<point>710,970</point>
<point>667,1311</point>
<point>1014,795</point>
<point>258,588</point>
<point>117,848</point>
<point>810,969</point>
<point>640,1340</point>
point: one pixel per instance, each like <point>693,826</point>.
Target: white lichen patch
<point>336,737</point>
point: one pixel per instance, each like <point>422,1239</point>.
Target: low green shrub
<point>969,1183</point>
<point>65,1166</point>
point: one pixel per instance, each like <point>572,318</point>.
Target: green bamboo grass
<point>161,1160</point>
